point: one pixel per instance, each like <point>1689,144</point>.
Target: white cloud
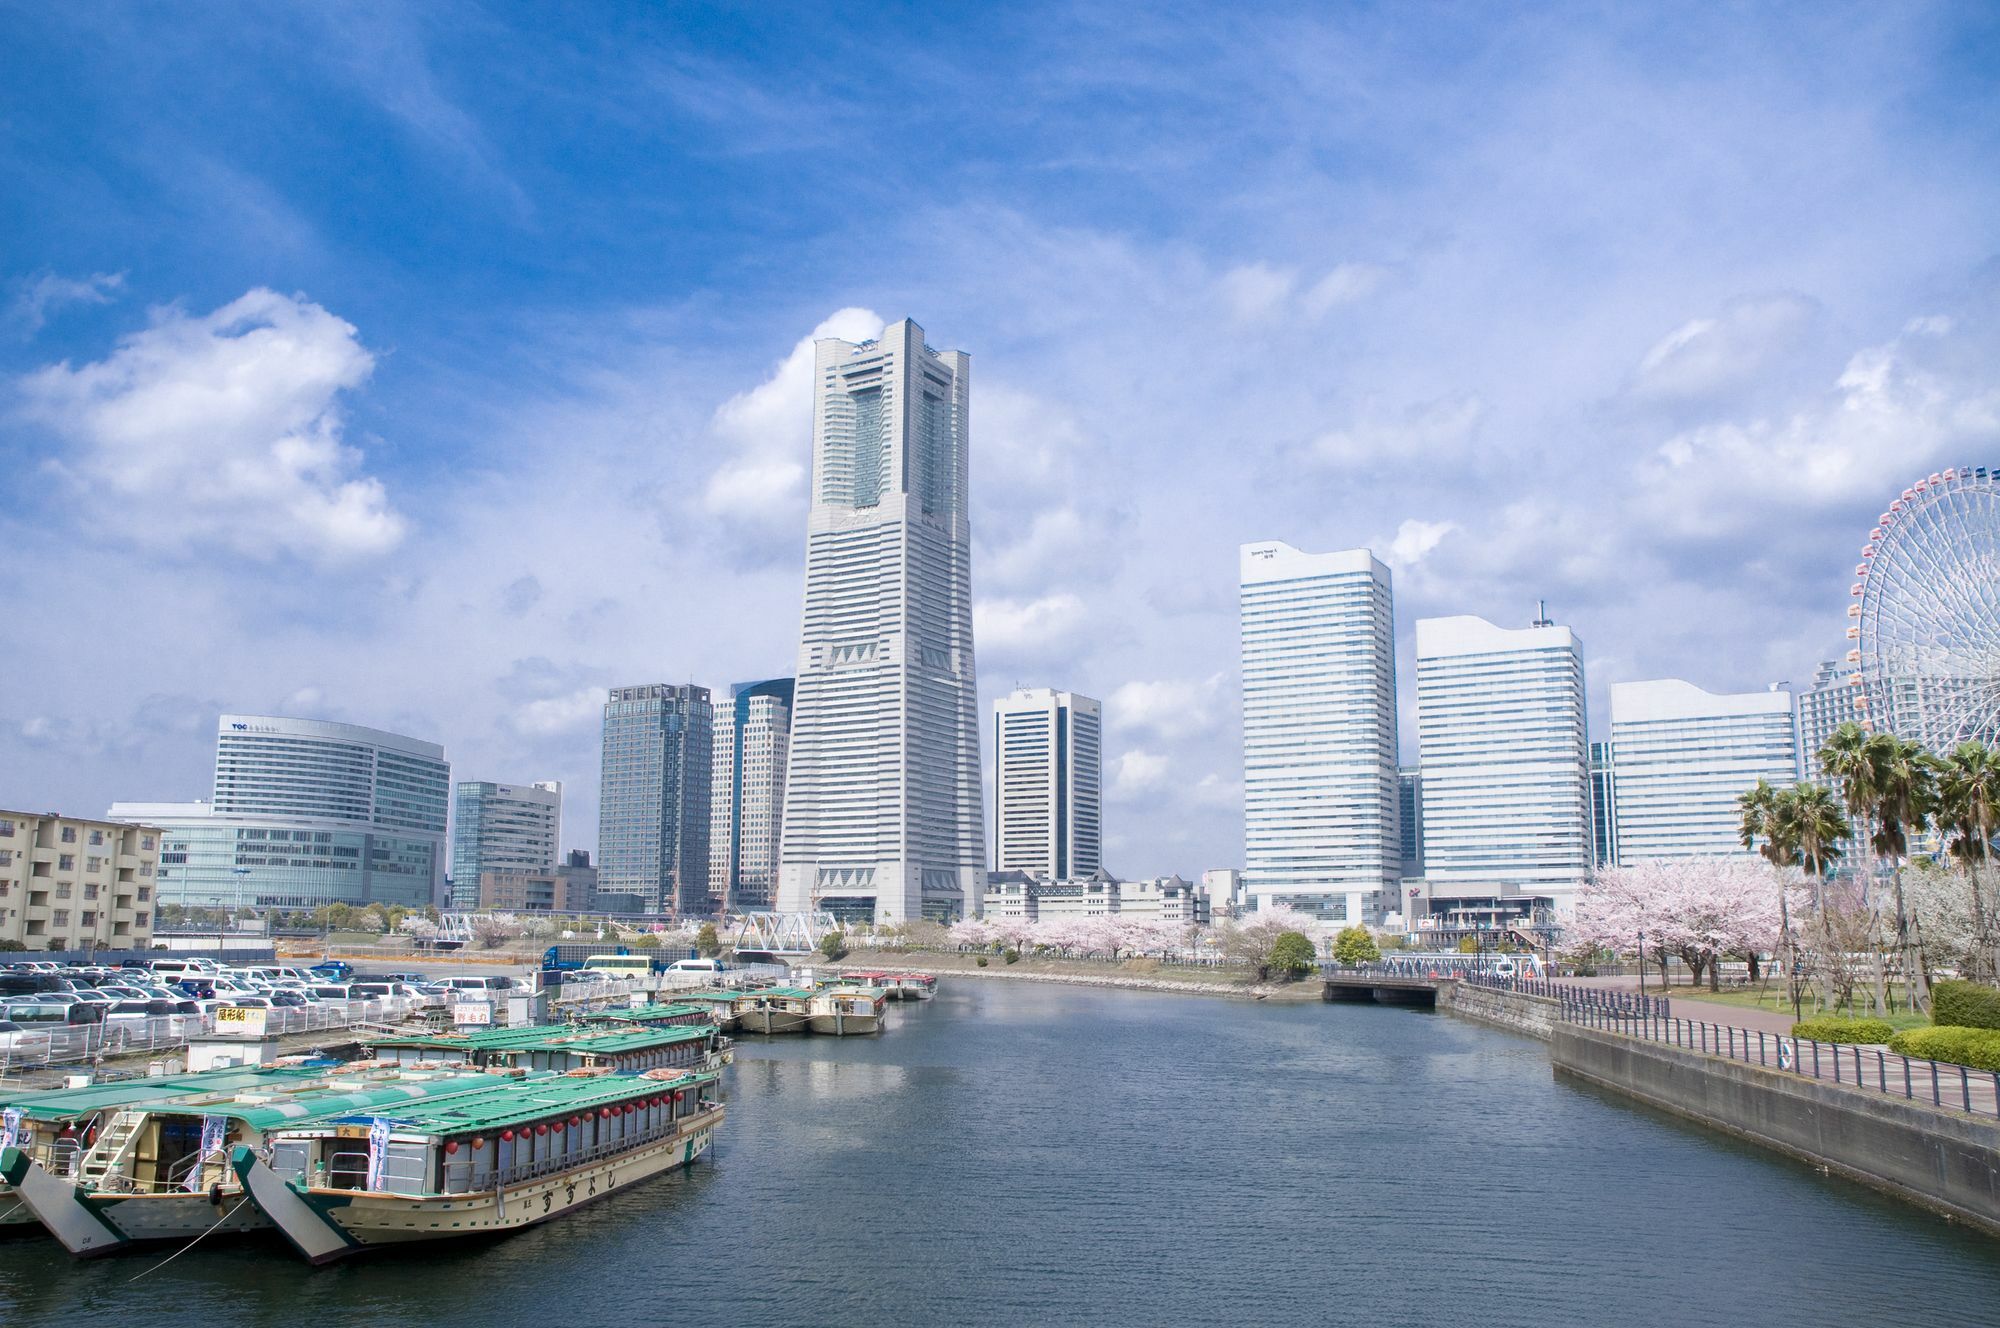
<point>1349,283</point>
<point>1709,356</point>
<point>1058,542</point>
<point>1171,708</point>
<point>49,292</point>
<point>1415,539</point>
<point>224,429</point>
<point>559,714</point>
<point>1431,431</point>
<point>1137,774</point>
<point>1256,290</point>
<point>1031,626</point>
<point>767,430</point>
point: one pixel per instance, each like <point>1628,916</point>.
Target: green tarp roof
<point>67,1103</point>
<point>520,1101</point>
<point>318,1108</point>
<point>640,1014</point>
<point>553,1037</point>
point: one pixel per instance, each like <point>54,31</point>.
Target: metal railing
<point>41,1045</point>
<point>1571,995</point>
<point>1872,1068</point>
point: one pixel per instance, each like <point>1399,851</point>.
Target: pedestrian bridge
<point>1412,979</point>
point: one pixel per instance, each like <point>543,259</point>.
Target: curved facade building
<point>307,812</point>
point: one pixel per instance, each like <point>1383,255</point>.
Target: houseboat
<point>679,1013</point>
<point>721,1006</point>
<point>560,1047</point>
<point>774,1010</point>
<point>160,1171</point>
<point>519,1153</point>
<point>847,1011</point>
<point>56,1127</point>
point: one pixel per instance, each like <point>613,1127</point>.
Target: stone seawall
<point>1285,991</point>
<point>1511,1010</point>
<point>1944,1160</point>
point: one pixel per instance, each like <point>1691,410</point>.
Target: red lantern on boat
<point>506,1136</point>
<point>542,1128</point>
<point>478,1142</point>
<point>557,1126</point>
<point>604,1114</point>
<point>574,1121</point>
<point>451,1145</point>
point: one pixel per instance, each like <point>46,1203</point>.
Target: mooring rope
<point>191,1244</point>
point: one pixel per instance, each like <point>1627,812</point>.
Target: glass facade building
<point>511,828</point>
<point>1320,781</point>
<point>1048,803</point>
<point>1682,756</point>
<point>1506,786</point>
<point>1603,807</point>
<point>752,751</point>
<point>653,808</point>
<point>306,813</point>
<point>883,810</point>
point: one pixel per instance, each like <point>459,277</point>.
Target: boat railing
<point>524,1171</point>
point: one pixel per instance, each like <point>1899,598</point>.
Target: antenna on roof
<point>1542,618</point>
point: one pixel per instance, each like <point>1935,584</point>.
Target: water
<point>1016,1153</point>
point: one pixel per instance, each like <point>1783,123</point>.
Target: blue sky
<point>435,367</point>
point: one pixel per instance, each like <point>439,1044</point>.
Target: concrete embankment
<point>1946,1161</point>
<point>1286,991</point>
<point>1535,1016</point>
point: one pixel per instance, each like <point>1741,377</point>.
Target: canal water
<point>1016,1153</point>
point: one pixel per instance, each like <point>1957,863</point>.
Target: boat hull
<point>89,1225</point>
<point>325,1226</point>
<point>773,1021</point>
<point>846,1025</point>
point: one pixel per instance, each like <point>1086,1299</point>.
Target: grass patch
<point>1775,1000</point>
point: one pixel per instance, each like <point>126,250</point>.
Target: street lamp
<point>1642,960</point>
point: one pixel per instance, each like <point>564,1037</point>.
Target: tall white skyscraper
<point>752,748</point>
<point>1048,806</point>
<point>1506,772</point>
<point>882,800</point>
<point>1682,756</point>
<point>1319,732</point>
<point>1824,707</point>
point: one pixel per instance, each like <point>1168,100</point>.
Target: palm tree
<point>1762,821</point>
<point>1906,797</point>
<point>1801,826</point>
<point>1969,804</point>
<point>1856,758</point>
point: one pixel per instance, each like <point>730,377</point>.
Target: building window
<point>6,857</point>
<point>89,920</point>
<point>89,891</point>
<point>62,889</point>
<point>145,893</point>
<point>62,917</point>
<point>6,829</point>
<point>97,839</point>
<point>139,921</point>
<point>69,834</point>
<point>93,864</point>
<point>145,843</point>
<point>66,862</point>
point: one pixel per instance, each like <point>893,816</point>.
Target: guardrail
<point>1873,1068</point>
<point>40,1046</point>
<point>1587,998</point>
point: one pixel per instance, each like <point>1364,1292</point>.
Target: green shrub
<point>981,961</point>
<point>1012,956</point>
<point>1976,1047</point>
<point>1958,1004</point>
<point>834,946</point>
<point>1830,1028</point>
<point>1355,946</point>
<point>1292,955</point>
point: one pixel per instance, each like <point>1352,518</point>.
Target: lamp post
<point>1642,959</point>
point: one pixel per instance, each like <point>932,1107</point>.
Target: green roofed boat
<point>158,1170</point>
<point>520,1152</point>
<point>774,1010</point>
<point>560,1047</point>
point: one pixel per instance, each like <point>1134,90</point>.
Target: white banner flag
<point>10,1128</point>
<point>378,1152</point>
<point>214,1129</point>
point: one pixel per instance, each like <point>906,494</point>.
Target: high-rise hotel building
<point>510,828</point>
<point>653,803</point>
<point>1320,782</point>
<point>752,749</point>
<point>882,800</point>
<point>307,812</point>
<point>1506,772</point>
<point>1048,804</point>
<point>1682,756</point>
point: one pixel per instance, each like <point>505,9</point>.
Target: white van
<point>696,966</point>
<point>173,970</point>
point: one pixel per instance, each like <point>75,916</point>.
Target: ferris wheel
<point>1925,624</point>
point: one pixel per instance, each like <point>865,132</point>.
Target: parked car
<point>335,969</point>
<point>17,1042</point>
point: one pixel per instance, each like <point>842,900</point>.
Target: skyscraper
<point>1824,707</point>
<point>502,828</point>
<point>752,748</point>
<point>1048,806</point>
<point>1603,807</point>
<point>1683,756</point>
<point>306,812</point>
<point>653,809</point>
<point>1506,789</point>
<point>882,801</point>
<point>1410,819</point>
<point>1320,782</point>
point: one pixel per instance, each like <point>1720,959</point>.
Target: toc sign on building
<point>240,1021</point>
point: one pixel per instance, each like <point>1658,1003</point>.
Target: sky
<point>436,367</point>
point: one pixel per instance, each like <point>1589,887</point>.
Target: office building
<point>1683,756</point>
<point>753,736</point>
<point>1224,888</point>
<point>1506,771</point>
<point>1048,803</point>
<point>653,803</point>
<point>509,828</point>
<point>71,884</point>
<point>579,879</point>
<point>1824,707</point>
<point>1410,820</point>
<point>882,804</point>
<point>551,891</point>
<point>307,812</point>
<point>1319,733</point>
<point>1603,807</point>
<point>1013,894</point>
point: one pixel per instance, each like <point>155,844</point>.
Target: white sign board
<point>472,1012</point>
<point>240,1021</point>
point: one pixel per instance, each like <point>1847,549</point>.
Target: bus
<point>561,958</point>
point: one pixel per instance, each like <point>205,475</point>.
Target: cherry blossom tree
<point>1696,909</point>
